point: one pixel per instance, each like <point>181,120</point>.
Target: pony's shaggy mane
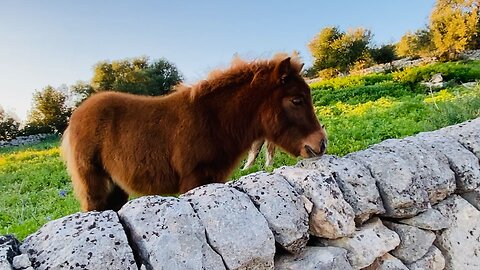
<point>240,71</point>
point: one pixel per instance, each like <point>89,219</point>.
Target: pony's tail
<point>66,152</point>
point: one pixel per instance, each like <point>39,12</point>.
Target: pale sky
<point>57,42</point>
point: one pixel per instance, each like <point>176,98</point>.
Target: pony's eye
<point>297,101</point>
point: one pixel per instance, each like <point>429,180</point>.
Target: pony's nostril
<point>323,146</point>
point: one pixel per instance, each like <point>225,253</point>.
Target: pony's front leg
<point>253,154</point>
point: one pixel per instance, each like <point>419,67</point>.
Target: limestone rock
<point>414,242</point>
<point>433,260</point>
<point>403,193</point>
<point>355,182</point>
<point>83,240</point>
<point>332,217</point>
<point>462,162</point>
<point>318,258</point>
<point>386,262</point>
<point>234,227</point>
<point>8,250</point>
<point>21,262</point>
<point>370,241</point>
<point>430,167</point>
<point>467,133</point>
<point>460,243</point>
<point>168,234</point>
<point>428,220</point>
<point>473,197</point>
<point>281,205</point>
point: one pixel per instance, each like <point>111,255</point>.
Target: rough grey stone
<point>460,243</point>
<point>467,133</point>
<point>234,227</point>
<point>354,179</point>
<point>428,220</point>
<point>386,262</point>
<point>21,262</point>
<point>473,197</point>
<point>430,167</point>
<point>8,250</point>
<point>433,260</point>
<point>462,162</point>
<point>332,217</point>
<point>81,240</point>
<point>369,242</point>
<point>318,258</point>
<point>281,205</point>
<point>403,193</point>
<point>414,242</point>
<point>168,234</point>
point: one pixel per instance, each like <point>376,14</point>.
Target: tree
<point>9,126</point>
<point>335,49</point>
<point>455,27</point>
<point>136,76</point>
<point>49,110</point>
<point>418,44</point>
<point>80,91</point>
<point>383,54</point>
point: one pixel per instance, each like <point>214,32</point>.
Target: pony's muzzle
<point>311,152</point>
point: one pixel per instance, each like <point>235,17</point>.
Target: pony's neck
<point>237,109</point>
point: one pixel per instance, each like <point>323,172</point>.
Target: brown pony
<point>118,144</point>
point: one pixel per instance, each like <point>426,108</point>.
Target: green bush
<point>458,72</point>
<point>351,81</point>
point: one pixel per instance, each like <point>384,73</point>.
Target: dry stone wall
<point>409,203</point>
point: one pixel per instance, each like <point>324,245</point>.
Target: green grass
<point>36,188</point>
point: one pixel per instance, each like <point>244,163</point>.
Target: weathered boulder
<point>370,241</point>
<point>21,262</point>
<point>414,242</point>
<point>234,227</point>
<point>433,260</point>
<point>461,161</point>
<point>460,243</point>
<point>168,234</point>
<point>354,180</point>
<point>332,217</point>
<point>8,250</point>
<point>431,168</point>
<point>81,240</point>
<point>473,197</point>
<point>402,192</point>
<point>281,205</point>
<point>318,258</point>
<point>467,133</point>
<point>386,262</point>
<point>428,220</point>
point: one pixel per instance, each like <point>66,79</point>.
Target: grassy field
<point>357,111</point>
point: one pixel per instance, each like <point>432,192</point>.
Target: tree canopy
<point>49,110</point>
<point>136,75</point>
<point>455,27</point>
<point>335,49</point>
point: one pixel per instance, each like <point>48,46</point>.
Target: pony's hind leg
<point>116,198</point>
<point>92,187</point>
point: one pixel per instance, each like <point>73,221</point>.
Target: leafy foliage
<point>418,44</point>
<point>333,48</point>
<point>9,127</point>
<point>136,76</point>
<point>50,110</point>
<point>455,26</point>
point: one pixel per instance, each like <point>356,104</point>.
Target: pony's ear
<point>282,69</point>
